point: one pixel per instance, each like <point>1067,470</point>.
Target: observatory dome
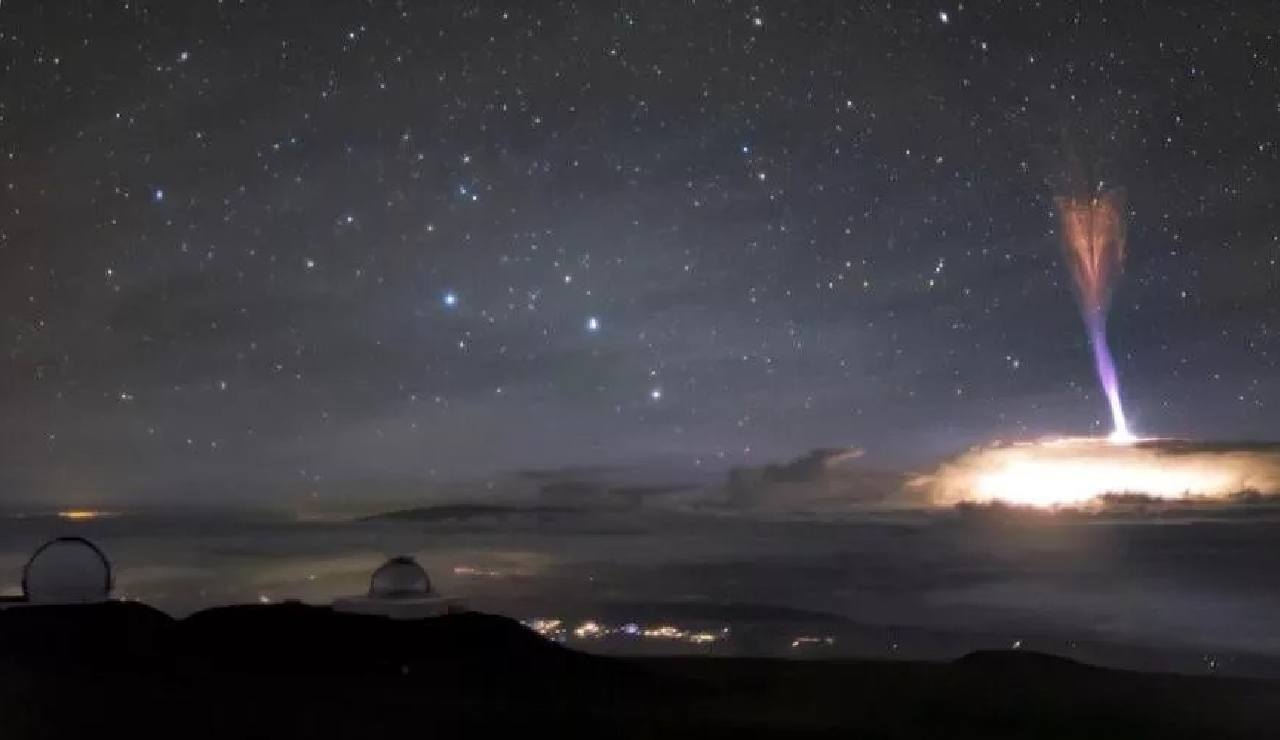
<point>399,589</point>
<point>67,570</point>
<point>400,578</point>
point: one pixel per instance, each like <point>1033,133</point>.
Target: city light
<point>590,629</point>
<point>475,572</point>
<point>808,641</point>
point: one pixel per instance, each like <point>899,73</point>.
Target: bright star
<point>450,299</point>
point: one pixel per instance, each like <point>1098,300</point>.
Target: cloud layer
<point>1076,471</point>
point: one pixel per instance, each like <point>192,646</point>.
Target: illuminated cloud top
<point>1074,471</point>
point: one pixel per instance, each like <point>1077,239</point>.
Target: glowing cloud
<point>1074,471</point>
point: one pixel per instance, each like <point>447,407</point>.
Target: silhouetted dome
<point>67,570</point>
<point>400,578</point>
<point>399,589</point>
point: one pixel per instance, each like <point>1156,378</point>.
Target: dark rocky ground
<point>297,671</point>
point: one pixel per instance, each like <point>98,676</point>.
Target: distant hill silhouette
<point>467,512</point>
<point>114,633</point>
<point>295,636</point>
<point>1020,662</point>
<point>292,670</point>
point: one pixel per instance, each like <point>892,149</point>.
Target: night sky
<point>271,249</point>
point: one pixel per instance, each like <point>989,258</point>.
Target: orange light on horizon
<point>80,514</point>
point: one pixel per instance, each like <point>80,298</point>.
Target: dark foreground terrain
<point>297,671</point>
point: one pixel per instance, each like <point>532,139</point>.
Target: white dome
<point>400,578</point>
<point>67,570</point>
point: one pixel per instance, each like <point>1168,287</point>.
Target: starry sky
<point>268,248</point>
